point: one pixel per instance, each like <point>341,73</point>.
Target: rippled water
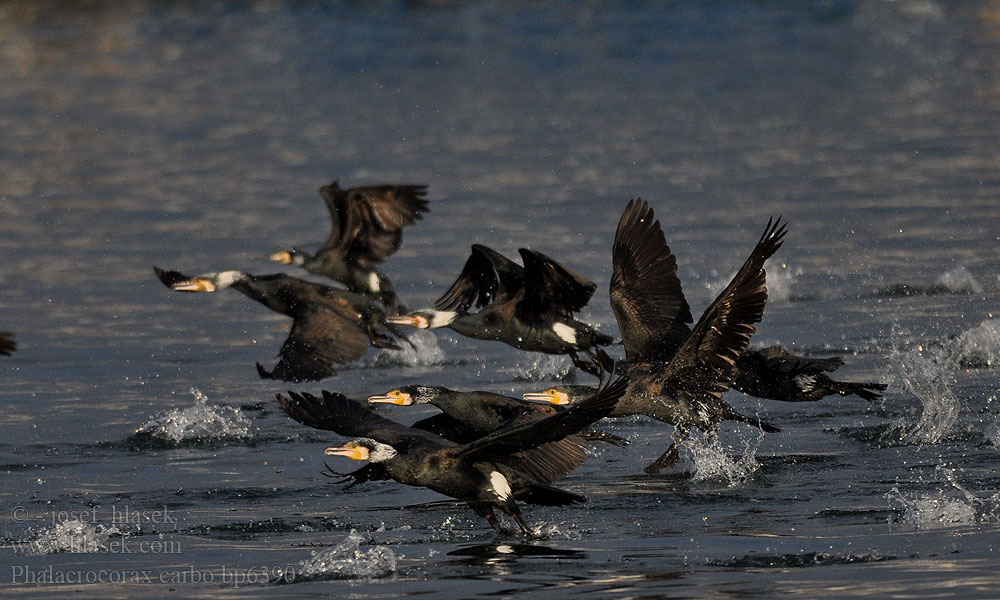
<point>142,455</point>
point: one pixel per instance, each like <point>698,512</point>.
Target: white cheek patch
<point>500,485</point>
<point>565,332</point>
<point>442,318</point>
<point>373,283</point>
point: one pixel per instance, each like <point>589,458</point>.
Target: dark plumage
<point>774,373</point>
<point>367,226</point>
<point>530,307</point>
<point>467,416</point>
<point>675,375</point>
<point>485,473</point>
<point>330,325</point>
<point>771,373</point>
<point>7,343</point>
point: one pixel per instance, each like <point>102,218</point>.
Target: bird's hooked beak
<point>282,256</point>
<point>418,321</point>
<point>196,284</point>
<point>394,397</point>
<point>349,451</point>
<point>549,396</point>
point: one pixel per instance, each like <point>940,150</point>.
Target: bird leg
<point>515,512</point>
<point>668,458</point>
<point>593,367</point>
<point>486,511</point>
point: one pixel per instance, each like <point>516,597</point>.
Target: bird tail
<point>546,495</point>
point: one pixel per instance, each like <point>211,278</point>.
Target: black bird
<point>330,325</point>
<point>367,226</point>
<point>775,373</point>
<point>485,473</point>
<point>467,416</point>
<point>530,307</point>
<point>772,373</point>
<point>7,343</point>
<point>678,375</point>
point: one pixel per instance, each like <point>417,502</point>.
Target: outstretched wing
<point>704,362</point>
<point>367,222</point>
<point>321,335</point>
<point>550,289</point>
<point>350,418</point>
<point>645,292</point>
<point>486,276</point>
<point>563,423</point>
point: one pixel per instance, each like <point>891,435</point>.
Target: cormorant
<point>330,325</point>
<point>772,373</point>
<point>467,416</point>
<point>678,375</point>
<point>775,373</point>
<point>485,473</point>
<point>530,307</point>
<point>367,226</point>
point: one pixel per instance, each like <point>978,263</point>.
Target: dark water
<point>194,137</point>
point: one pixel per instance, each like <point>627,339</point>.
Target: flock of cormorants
<point>491,450</point>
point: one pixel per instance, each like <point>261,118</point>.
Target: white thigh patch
<point>500,485</point>
<point>373,283</point>
<point>565,332</point>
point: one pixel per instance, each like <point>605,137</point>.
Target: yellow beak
<point>547,397</point>
<point>352,452</point>
<point>398,399</point>
<point>282,256</point>
<point>198,284</point>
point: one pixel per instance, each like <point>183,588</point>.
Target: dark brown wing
<point>645,292</point>
<point>550,289</point>
<point>350,418</point>
<point>486,276</point>
<point>704,362</point>
<point>552,428</point>
<point>367,222</point>
<point>321,335</point>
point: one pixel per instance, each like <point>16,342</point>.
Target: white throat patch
<point>227,278</point>
<point>565,332</point>
<point>373,285</point>
<point>380,452</point>
<point>500,485</point>
<point>441,318</point>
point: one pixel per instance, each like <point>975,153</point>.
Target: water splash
<point>198,423</point>
<point>424,351</point>
<point>977,348</point>
<point>345,560</point>
<point>712,461</point>
<point>930,379</point>
<point>953,506</point>
<point>959,281</point>
<point>780,279</point>
<point>544,367</point>
<point>72,536</point>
